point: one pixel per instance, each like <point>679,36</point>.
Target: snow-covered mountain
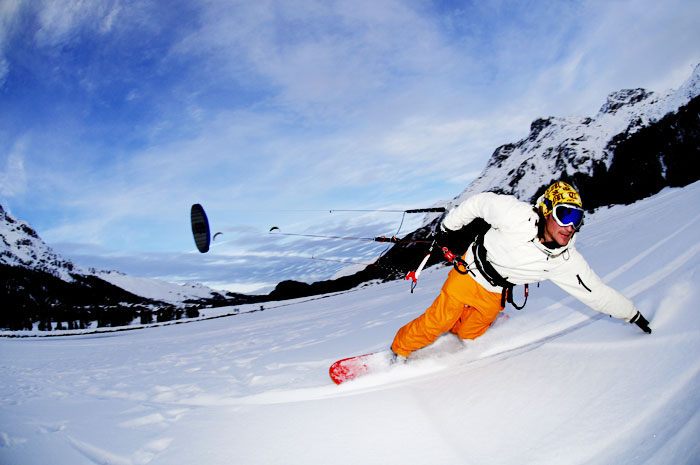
<point>580,148</point>
<point>21,246</point>
<point>158,289</point>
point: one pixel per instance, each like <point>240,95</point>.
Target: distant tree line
<point>30,297</point>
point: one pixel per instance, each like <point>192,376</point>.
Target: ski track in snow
<point>177,394</point>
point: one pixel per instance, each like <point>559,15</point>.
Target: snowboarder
<point>524,245</point>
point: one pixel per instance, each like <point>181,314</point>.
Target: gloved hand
<point>442,235</point>
<point>642,322</point>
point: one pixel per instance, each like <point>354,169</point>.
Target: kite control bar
<point>457,262</point>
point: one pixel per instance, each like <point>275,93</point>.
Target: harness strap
<point>509,292</point>
<point>493,277</point>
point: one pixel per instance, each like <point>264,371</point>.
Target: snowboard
<point>360,365</point>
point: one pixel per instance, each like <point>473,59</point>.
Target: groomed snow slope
<point>553,384</point>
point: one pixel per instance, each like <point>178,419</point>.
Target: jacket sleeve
<point>578,279</point>
<point>496,209</point>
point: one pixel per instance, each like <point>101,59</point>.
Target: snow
<point>555,383</point>
<point>157,289</point>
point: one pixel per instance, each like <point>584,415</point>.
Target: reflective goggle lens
<point>567,215</point>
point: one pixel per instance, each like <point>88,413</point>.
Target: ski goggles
<point>568,215</point>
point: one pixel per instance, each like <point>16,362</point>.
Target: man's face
<point>559,234</point>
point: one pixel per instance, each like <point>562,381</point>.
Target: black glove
<point>642,322</point>
<point>443,236</point>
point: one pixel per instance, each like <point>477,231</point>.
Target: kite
<point>200,228</point>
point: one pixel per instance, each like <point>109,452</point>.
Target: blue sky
<point>116,116</point>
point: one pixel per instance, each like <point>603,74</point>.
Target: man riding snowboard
<point>524,245</point>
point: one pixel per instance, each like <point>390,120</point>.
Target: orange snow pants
<point>463,307</point>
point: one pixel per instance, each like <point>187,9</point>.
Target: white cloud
<point>4,70</point>
<point>60,21</point>
<point>8,15</point>
<point>319,58</point>
<point>621,44</point>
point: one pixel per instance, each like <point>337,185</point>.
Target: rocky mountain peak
<point>20,245</point>
<point>624,97</point>
<point>584,147</point>
<point>537,126</point>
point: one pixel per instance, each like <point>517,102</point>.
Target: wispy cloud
<point>13,175</point>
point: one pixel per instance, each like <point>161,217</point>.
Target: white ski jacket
<point>516,253</point>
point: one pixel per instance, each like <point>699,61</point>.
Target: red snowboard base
<point>352,367</point>
<point>349,368</point>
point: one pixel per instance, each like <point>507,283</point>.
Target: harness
<point>492,276</point>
